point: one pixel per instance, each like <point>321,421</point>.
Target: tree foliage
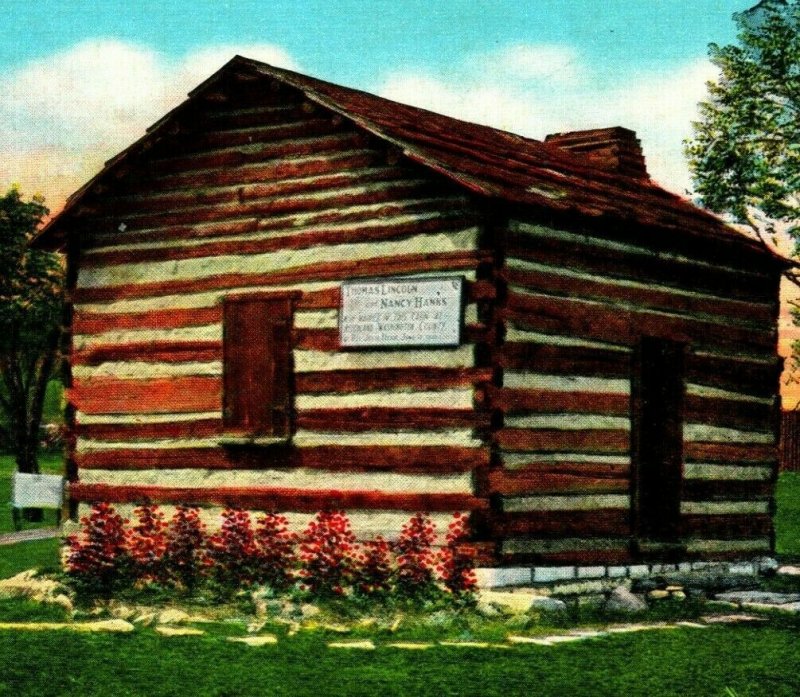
<point>31,296</point>
<point>745,154</point>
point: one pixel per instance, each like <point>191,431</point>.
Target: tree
<point>745,154</point>
<point>31,301</point>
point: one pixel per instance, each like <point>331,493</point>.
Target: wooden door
<point>657,438</point>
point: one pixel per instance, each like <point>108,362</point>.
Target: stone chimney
<point>614,149</point>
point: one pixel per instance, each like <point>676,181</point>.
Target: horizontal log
<point>98,322</point>
<point>296,478</point>
<point>610,323</point>
<point>235,157</point>
<point>731,453</point>
<point>150,352</point>
<point>174,395</point>
<point>403,459</point>
<point>244,118</point>
<point>210,137</point>
<point>382,419</point>
<point>433,459</point>
<point>692,236</point>
<point>534,480</point>
<point>599,470</point>
<point>200,428</point>
<point>726,527</point>
<point>556,440</point>
<point>164,458</point>
<point>348,381</point>
<point>321,164</point>
<point>546,401</point>
<point>565,360</point>
<point>598,523</point>
<point>321,271</point>
<point>551,281</point>
<point>749,377</point>
<point>725,489</point>
<point>452,214</point>
<point>732,413</point>
<point>645,267</point>
<point>278,499</point>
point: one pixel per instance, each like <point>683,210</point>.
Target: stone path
<point>550,640</point>
<point>99,626</point>
<point>762,600</point>
<point>12,538</point>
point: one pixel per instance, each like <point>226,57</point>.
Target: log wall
<point>577,305</point>
<point>271,195</point>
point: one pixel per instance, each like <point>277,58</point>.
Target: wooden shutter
<point>257,353</point>
<point>658,390</point>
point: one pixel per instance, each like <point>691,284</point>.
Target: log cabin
<point>291,295</point>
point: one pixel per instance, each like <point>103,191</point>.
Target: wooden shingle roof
<point>488,162</point>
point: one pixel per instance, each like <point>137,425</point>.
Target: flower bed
<point>111,555</point>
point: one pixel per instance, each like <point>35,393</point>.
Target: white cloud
<point>544,62</point>
<point>659,106</point>
<point>63,115</point>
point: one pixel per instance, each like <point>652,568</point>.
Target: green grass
<point>787,519</point>
<point>40,554</point>
<point>753,661</point>
<point>49,463</point>
<point>53,410</point>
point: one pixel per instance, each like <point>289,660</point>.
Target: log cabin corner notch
<point>613,396</point>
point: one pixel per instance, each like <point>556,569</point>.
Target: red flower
<point>456,562</point>
<point>147,543</point>
<point>415,556</point>
<point>276,554</point>
<point>98,556</point>
<point>373,570</point>
<point>327,551</point>
<point>233,550</point>
<point>185,556</point>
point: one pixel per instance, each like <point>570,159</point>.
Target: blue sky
<point>81,80</point>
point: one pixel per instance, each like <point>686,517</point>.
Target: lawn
<point>752,661</point>
<point>41,554</point>
<point>787,519</point>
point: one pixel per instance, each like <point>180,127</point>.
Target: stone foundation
<point>548,576</point>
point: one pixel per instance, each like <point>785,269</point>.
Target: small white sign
<point>37,490</point>
<point>401,312</point>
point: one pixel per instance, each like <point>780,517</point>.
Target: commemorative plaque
<point>401,312</point>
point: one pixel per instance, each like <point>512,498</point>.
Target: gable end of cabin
<point>206,364</point>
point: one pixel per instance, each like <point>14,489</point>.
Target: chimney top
<point>613,149</point>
